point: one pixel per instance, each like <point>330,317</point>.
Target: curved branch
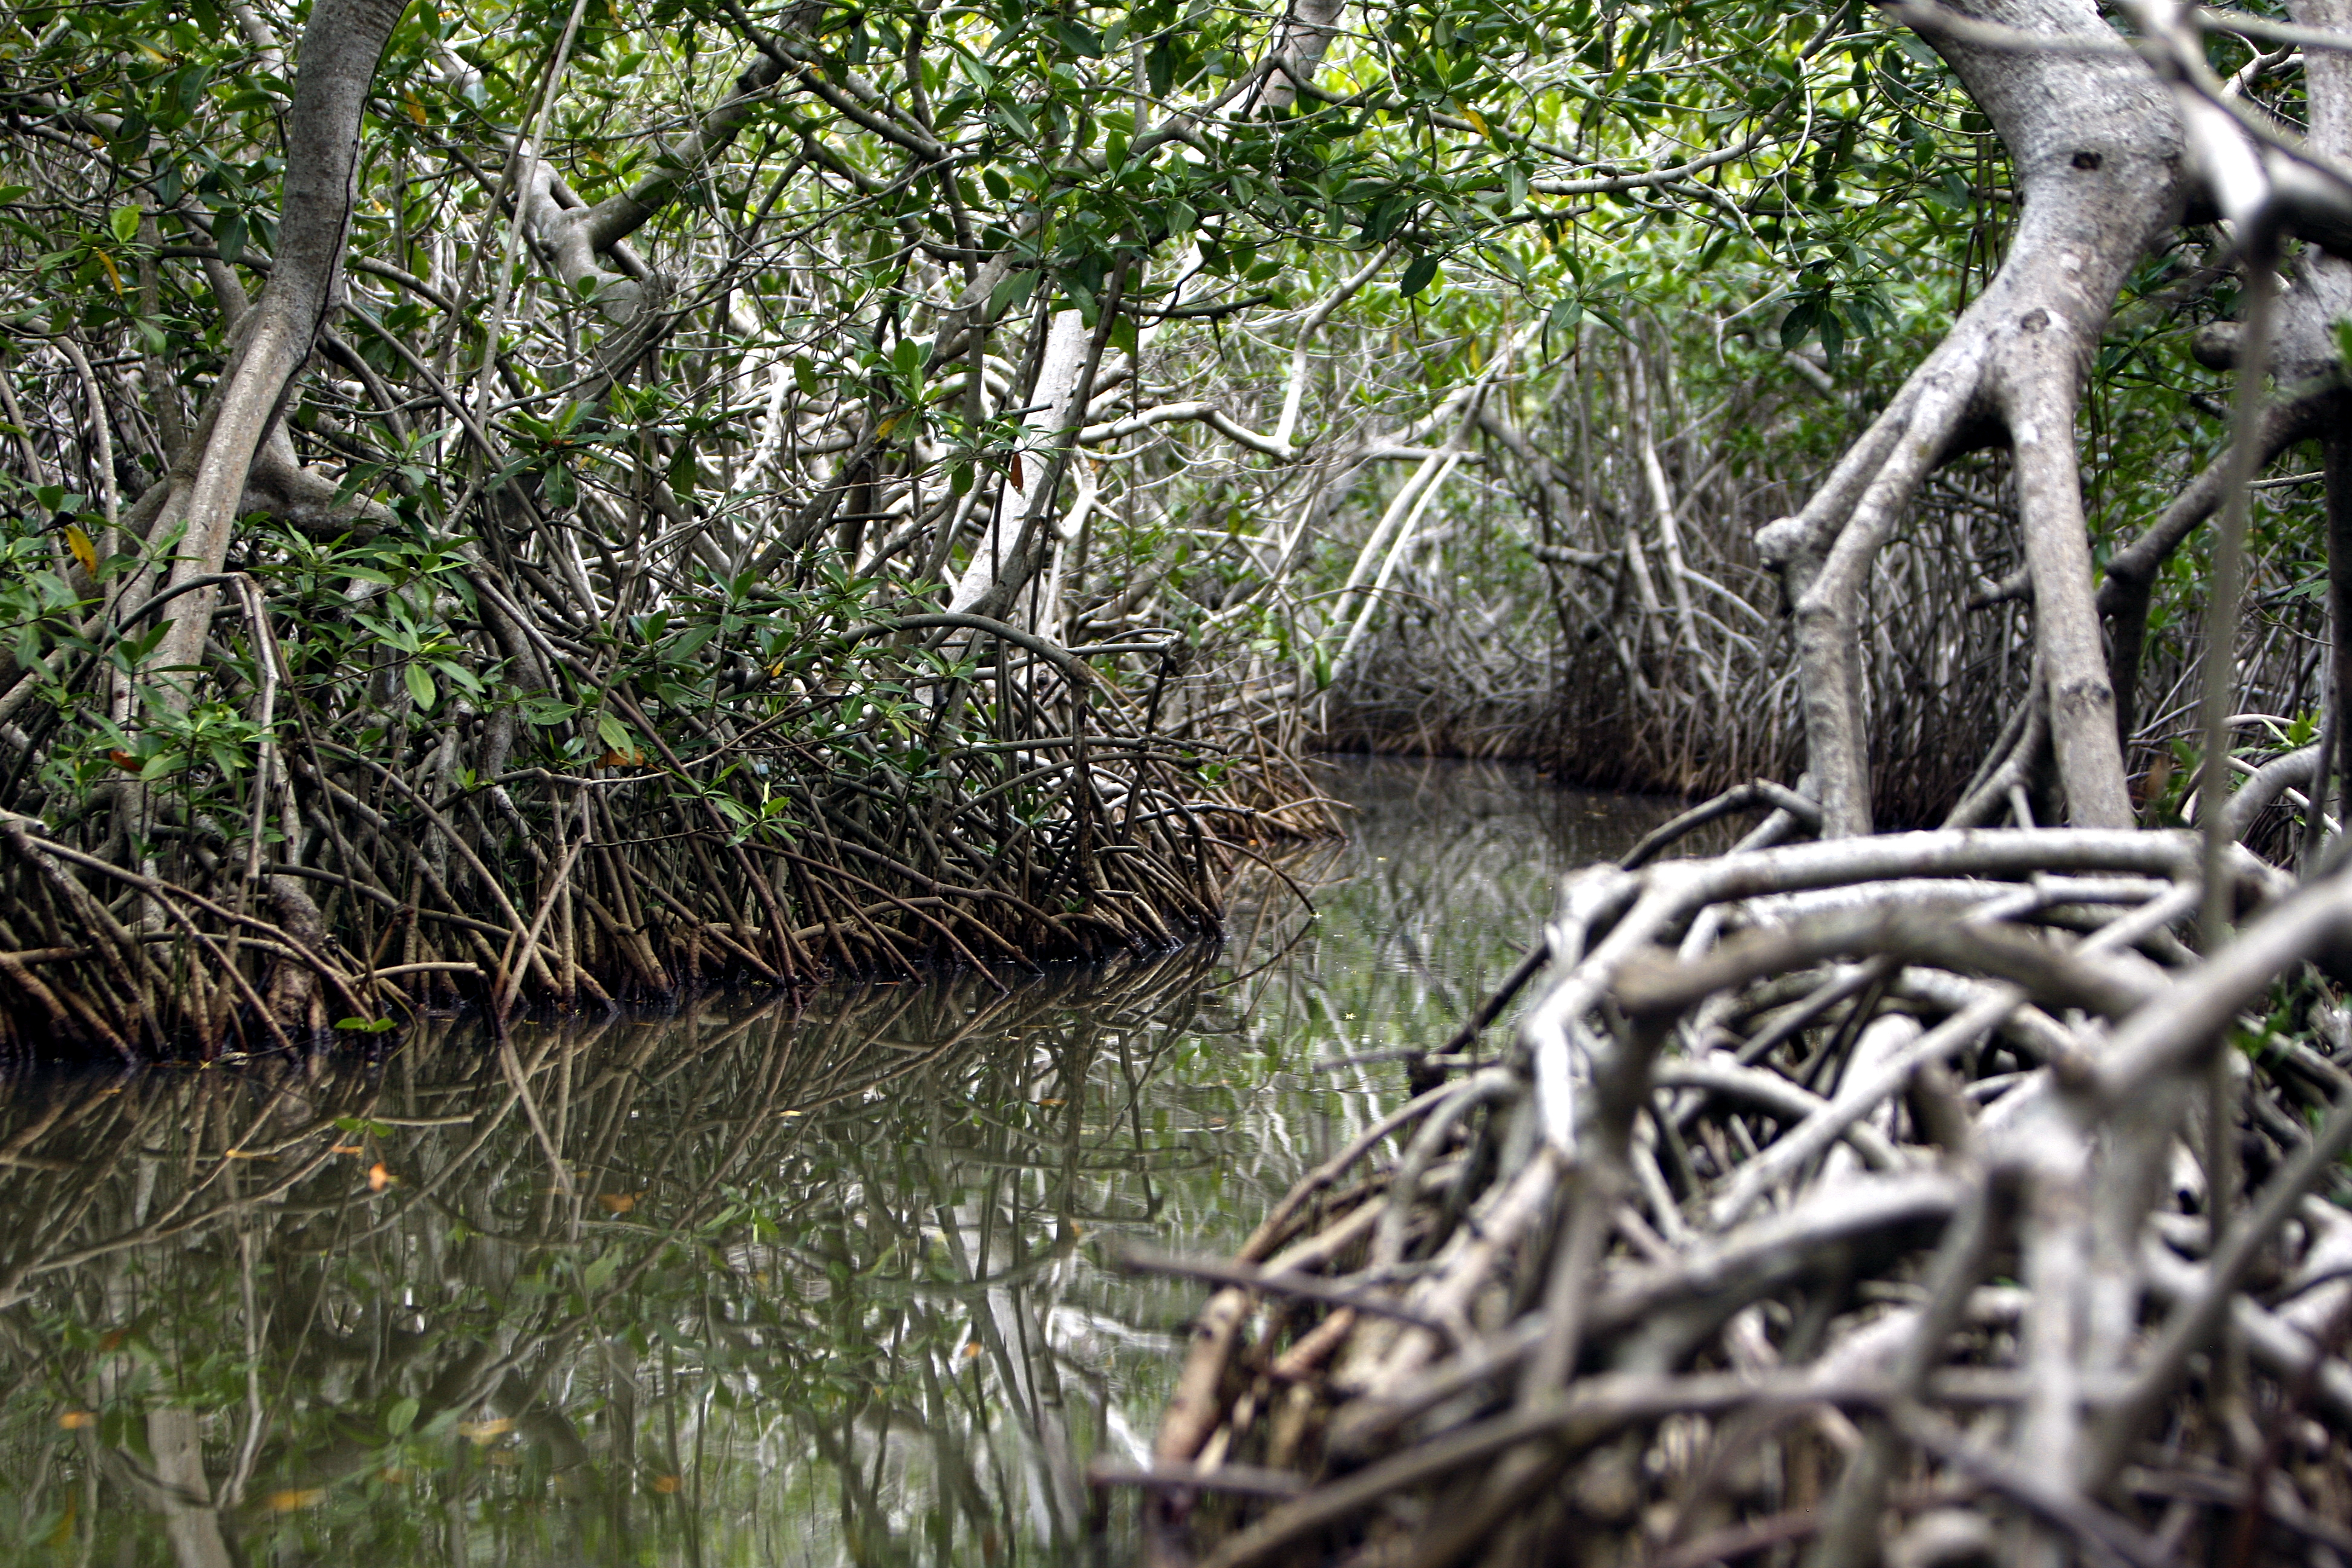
<point>340,49</point>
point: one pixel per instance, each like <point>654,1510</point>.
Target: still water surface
<point>740,1284</point>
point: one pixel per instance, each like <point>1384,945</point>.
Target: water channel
<point>739,1284</point>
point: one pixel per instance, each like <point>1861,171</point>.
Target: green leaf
<point>1011,292</point>
<point>124,222</point>
<point>1418,276</point>
<point>614,733</point>
<point>1078,39</point>
<point>401,1417</point>
<point>1797,324</point>
<point>420,686</point>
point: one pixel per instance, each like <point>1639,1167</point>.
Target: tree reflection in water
<point>749,1284</point>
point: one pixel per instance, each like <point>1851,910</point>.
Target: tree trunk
<point>1019,501</point>
<point>335,67</point>
<point>181,1493</point>
<point>1298,49</point>
<point>2101,174</point>
<point>2321,297</point>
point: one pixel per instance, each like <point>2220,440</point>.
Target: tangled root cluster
<point>1922,1197</point>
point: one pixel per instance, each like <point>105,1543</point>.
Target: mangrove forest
<point>1192,783</point>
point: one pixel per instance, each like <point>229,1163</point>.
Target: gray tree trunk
<point>334,68</point>
<point>2101,174</point>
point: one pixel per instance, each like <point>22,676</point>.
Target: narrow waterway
<point>740,1284</point>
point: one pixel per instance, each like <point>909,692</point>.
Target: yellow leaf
<point>300,1496</point>
<point>883,432</point>
<point>83,549</point>
<point>1478,119</point>
<point>75,1420</point>
<point>380,1176</point>
<point>484,1431</point>
<point>415,109</point>
<point>617,1203</point>
<point>665,1484</point>
<point>112,276</point>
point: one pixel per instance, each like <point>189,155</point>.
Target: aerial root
<point>1843,1197</point>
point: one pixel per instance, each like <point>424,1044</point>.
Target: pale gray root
<point>2020,1401</point>
<point>2264,787</point>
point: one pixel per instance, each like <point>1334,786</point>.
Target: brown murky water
<point>739,1284</point>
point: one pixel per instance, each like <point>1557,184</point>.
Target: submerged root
<point>1849,1198</point>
